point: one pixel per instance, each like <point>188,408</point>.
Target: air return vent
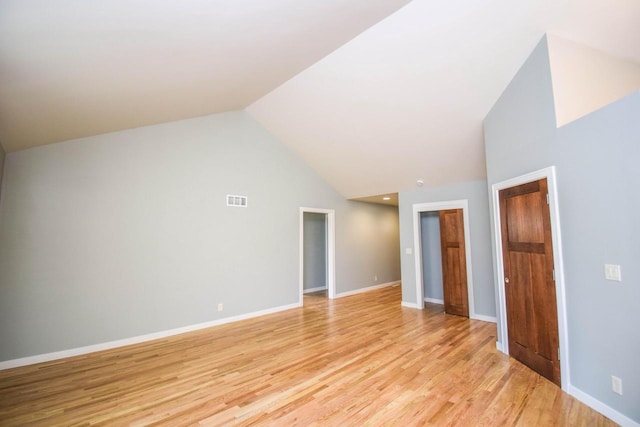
<point>238,201</point>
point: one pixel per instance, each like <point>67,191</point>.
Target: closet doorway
<point>443,256</point>
<point>317,251</point>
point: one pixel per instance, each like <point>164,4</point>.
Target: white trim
<point>367,289</point>
<point>48,357</point>
<point>480,317</point>
<point>410,305</point>
<point>554,213</point>
<point>604,409</point>
<point>483,318</point>
<point>418,208</point>
<point>331,251</point>
<point>316,289</point>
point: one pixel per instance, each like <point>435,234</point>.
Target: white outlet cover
<point>616,385</point>
<point>612,272</point>
<point>408,251</point>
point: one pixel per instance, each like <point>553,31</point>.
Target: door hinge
<point>547,198</point>
<point>558,353</point>
<point>554,274</point>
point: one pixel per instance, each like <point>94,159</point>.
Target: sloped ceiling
<point>74,68</point>
<point>405,100</point>
<point>372,94</point>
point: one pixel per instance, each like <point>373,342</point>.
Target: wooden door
<point>532,318</point>
<point>454,263</point>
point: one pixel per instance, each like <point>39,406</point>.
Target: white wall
<point>585,79</point>
<point>125,234</point>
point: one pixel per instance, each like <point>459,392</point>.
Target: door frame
<point>418,208</point>
<point>503,338</point>
<point>331,251</point>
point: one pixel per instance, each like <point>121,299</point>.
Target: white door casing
<point>331,250</point>
<point>503,340</point>
<point>418,208</point>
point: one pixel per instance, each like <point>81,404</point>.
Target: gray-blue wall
<point>476,194</point>
<point>431,255</point>
<point>375,227</point>
<point>597,176</point>
<point>125,234</point>
<point>519,129</point>
<point>597,159</point>
<point>315,250</point>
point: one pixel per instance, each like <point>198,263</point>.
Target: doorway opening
<point>454,255</point>
<point>314,266</point>
<point>317,252</point>
<point>431,257</point>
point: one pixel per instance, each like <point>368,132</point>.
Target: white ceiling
<point>405,100</point>
<point>73,68</point>
<point>402,100</point>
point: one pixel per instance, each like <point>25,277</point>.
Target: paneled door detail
<point>454,264</point>
<point>530,293</point>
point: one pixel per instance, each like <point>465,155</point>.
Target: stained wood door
<point>454,263</point>
<point>532,318</point>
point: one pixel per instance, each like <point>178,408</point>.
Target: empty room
<point>341,212</point>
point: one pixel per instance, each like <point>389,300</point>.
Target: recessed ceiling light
<point>386,198</point>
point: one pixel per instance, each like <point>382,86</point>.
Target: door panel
<point>523,228</point>
<point>532,320</point>
<point>454,262</point>
<point>518,297</point>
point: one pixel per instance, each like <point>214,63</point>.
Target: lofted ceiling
<point>371,94</point>
<point>405,99</point>
<point>74,68</point>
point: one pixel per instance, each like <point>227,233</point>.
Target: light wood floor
<point>359,360</point>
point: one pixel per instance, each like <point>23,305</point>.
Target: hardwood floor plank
<point>359,360</point>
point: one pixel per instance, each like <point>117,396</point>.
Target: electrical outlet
<point>612,272</point>
<point>616,385</point>
<point>220,307</point>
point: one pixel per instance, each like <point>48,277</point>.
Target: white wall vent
<point>239,201</point>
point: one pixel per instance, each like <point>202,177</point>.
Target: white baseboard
<point>481,317</point>
<point>589,400</point>
<point>484,318</point>
<point>604,409</point>
<point>32,360</point>
<point>367,289</point>
<point>411,305</point>
<point>316,289</point>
